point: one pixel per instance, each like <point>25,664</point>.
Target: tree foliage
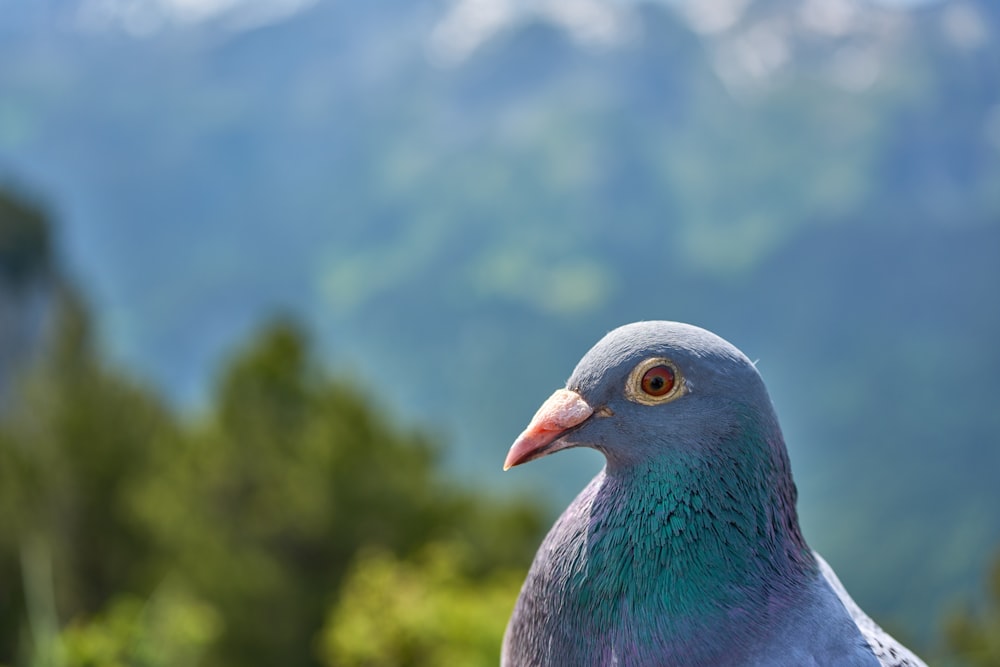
<point>170,629</point>
<point>424,611</point>
<point>254,511</point>
<point>75,442</point>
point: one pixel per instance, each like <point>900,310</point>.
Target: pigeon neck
<point>699,535</point>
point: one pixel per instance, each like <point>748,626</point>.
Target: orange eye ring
<point>654,381</point>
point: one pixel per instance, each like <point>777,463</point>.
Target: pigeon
<point>685,550</point>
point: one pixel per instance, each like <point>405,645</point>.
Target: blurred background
<point>280,281</point>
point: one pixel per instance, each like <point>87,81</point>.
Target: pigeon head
<point>657,391</point>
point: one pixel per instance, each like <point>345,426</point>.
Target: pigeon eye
<point>658,381</point>
<point>654,381</point>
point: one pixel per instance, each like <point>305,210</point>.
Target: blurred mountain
<point>459,198</point>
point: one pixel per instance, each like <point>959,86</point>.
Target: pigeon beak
<point>560,412</point>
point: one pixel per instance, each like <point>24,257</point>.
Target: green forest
<point>294,521</point>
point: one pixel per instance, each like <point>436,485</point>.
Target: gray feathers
<point>889,652</point>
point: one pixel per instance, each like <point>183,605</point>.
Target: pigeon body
<point>685,550</point>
